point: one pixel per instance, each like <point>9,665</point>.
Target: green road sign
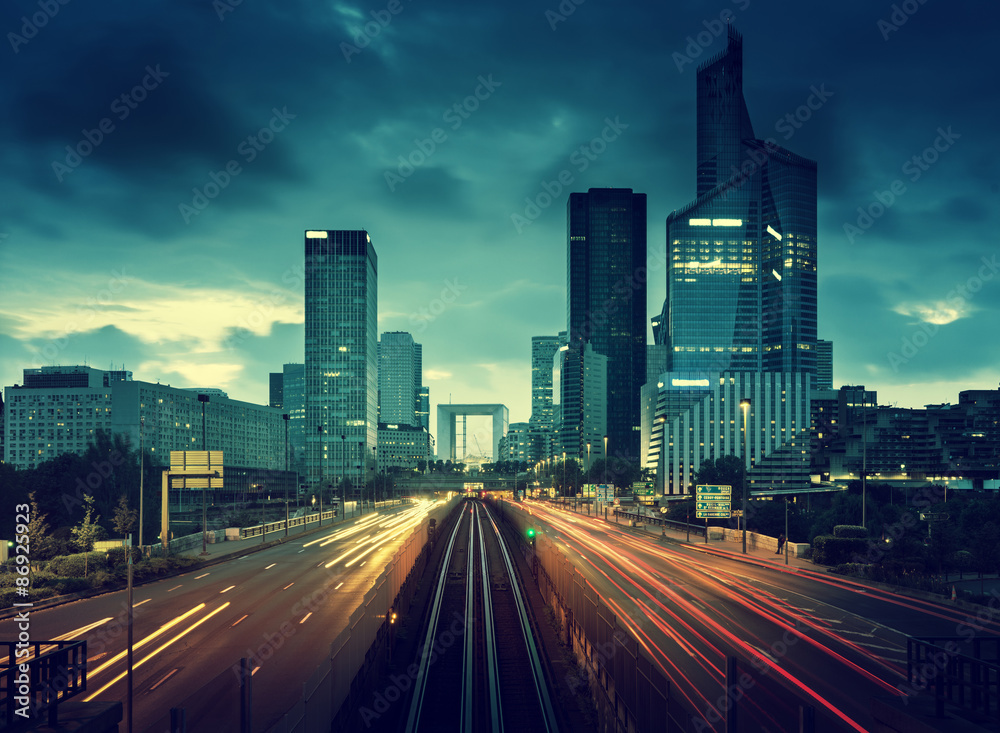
<point>706,491</point>
<point>713,515</point>
<point>712,506</point>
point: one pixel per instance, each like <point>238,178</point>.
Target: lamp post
<point>285,418</point>
<point>142,470</point>
<point>864,452</point>
<point>203,399</point>
<point>319,441</point>
<point>343,466</point>
<point>374,475</point>
<point>588,457</point>
<point>745,406</point>
<point>605,459</point>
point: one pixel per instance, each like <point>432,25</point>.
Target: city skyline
<point>171,243</point>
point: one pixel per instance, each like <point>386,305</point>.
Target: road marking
<point>255,670</point>
<point>199,577</point>
<point>238,620</point>
<point>857,633</point>
<point>175,587</point>
<point>169,674</point>
<point>301,551</point>
<point>339,584</point>
<point>270,566</point>
<point>227,589</point>
<point>305,617</point>
<point>362,564</point>
<point>97,656</point>
<point>135,605</point>
<point>289,585</point>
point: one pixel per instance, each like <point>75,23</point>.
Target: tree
<point>39,534</point>
<point>723,471</point>
<point>422,466</point>
<point>125,517</point>
<point>85,533</point>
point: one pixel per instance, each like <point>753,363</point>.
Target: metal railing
<point>960,671</point>
<point>56,671</point>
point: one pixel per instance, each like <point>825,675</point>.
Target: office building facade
<point>741,276</point>
<point>341,363</point>
<point>606,301</point>
<point>400,372</point>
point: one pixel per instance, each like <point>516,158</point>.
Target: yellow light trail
<point>158,650</point>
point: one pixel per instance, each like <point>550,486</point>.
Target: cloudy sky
<point>160,161</point>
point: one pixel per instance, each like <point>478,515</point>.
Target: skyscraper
<point>741,278</point>
<point>399,376</point>
<point>542,350</point>
<point>341,367</point>
<point>606,299</point>
<point>824,364</point>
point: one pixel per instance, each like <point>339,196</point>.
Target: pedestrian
<point>781,543</point>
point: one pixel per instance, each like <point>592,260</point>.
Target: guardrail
<point>968,681</point>
<point>52,677</point>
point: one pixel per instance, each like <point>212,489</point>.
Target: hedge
<point>830,550</point>
<point>850,531</point>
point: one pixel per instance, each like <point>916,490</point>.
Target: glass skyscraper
<point>741,278</point>
<point>341,366</point>
<point>400,372</point>
<point>606,300</point>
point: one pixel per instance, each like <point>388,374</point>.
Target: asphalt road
<point>835,643</point>
<point>281,606</point>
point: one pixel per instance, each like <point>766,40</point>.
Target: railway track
<point>480,669</point>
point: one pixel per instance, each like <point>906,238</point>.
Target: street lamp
<point>605,459</point>
<point>745,406</point>
<point>142,470</point>
<point>343,468</point>
<point>864,453</point>
<point>588,456</point>
<point>285,418</point>
<point>203,399</point>
<point>374,474</point>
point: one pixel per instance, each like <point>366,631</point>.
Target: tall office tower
<point>294,405</point>
<point>275,386</point>
<point>824,364</point>
<point>424,408</point>
<point>543,348</point>
<point>606,299</point>
<point>741,278</point>
<point>341,372</point>
<point>399,376</point>
<point>580,392</point>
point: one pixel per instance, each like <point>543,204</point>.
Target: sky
<point>161,161</point>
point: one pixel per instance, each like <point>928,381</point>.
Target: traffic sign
<point>934,516</point>
<point>705,490</point>
<point>709,506</point>
<point>712,515</point>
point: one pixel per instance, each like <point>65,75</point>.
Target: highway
<point>834,642</point>
<point>281,606</point>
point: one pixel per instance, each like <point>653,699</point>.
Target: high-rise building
<point>293,391</point>
<point>741,276</point>
<point>275,385</point>
<point>424,408</point>
<point>580,386</point>
<point>824,364</point>
<point>542,350</point>
<point>606,300</point>
<point>341,365</point>
<point>400,372</point>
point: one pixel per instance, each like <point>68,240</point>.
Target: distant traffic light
<point>531,533</point>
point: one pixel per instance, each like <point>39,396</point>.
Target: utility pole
<point>203,399</point>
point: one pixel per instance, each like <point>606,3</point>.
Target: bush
<point>118,557</point>
<point>62,586</point>
<point>830,550</point>
<point>72,566</point>
<point>850,531</point>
